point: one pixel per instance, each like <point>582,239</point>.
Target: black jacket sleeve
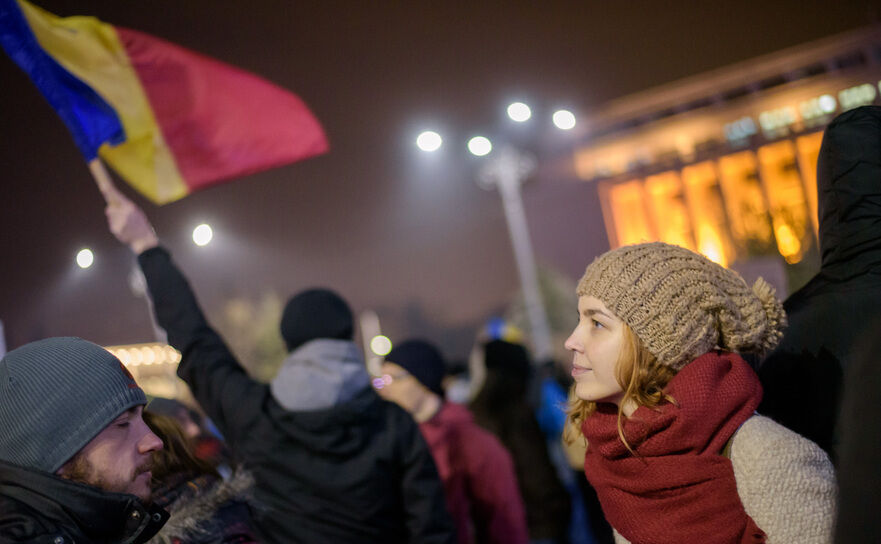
<point>230,397</point>
<point>428,520</point>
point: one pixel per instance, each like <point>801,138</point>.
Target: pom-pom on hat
<point>423,361</point>
<point>56,395</point>
<point>313,314</point>
<point>681,304</point>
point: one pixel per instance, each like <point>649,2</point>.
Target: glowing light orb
<point>564,120</point>
<point>827,103</point>
<point>202,235</point>
<point>479,146</point>
<point>429,141</point>
<point>520,112</point>
<point>85,258</point>
<point>381,345</point>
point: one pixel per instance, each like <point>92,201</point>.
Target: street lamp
<point>85,258</point>
<point>506,171</point>
<point>202,235</point>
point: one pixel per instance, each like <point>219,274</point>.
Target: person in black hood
<point>830,313</point>
<point>332,462</point>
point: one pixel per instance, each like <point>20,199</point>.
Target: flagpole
<point>103,180</point>
<point>136,281</point>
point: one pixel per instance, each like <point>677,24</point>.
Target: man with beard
<point>74,451</point>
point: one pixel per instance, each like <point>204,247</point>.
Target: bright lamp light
<point>564,120</point>
<point>479,146</point>
<point>85,258</point>
<point>202,234</point>
<point>429,141</point>
<point>520,112</point>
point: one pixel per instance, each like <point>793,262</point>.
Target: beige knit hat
<point>681,304</point>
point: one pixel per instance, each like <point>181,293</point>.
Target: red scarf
<point>679,487</point>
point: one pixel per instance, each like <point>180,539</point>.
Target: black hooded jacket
<point>37,508</point>
<point>357,472</point>
<point>828,316</point>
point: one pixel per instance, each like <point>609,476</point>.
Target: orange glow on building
<point>808,150</point>
<point>725,163</point>
<point>627,211</point>
<point>667,209</point>
<point>786,198</point>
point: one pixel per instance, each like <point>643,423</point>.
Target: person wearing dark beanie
<point>332,462</point>
<point>315,313</point>
<point>74,450</point>
<point>476,470</point>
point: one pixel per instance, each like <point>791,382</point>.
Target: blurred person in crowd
<point>74,450</point>
<point>550,381</point>
<point>501,407</point>
<point>667,406</point>
<point>859,472</point>
<point>829,314</point>
<point>476,470</point>
<point>204,444</point>
<point>332,461</point>
<point>203,507</point>
<point>587,524</point>
<point>180,412</point>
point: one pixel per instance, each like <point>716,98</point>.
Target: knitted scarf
<point>678,487</point>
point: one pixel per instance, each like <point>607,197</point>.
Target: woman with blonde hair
<point>667,406</point>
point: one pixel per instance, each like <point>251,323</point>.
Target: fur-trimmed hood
<point>207,513</point>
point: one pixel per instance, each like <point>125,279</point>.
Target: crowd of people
<point>682,440</point>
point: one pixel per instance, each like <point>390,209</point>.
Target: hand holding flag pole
<point>125,219</point>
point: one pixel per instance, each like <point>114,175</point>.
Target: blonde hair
<point>639,373</point>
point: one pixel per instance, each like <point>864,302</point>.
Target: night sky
<point>408,235</point>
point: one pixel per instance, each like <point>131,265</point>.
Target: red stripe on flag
<point>219,121</point>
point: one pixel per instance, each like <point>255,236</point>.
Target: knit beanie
<point>315,313</point>
<point>423,361</point>
<point>56,395</point>
<point>682,305</point>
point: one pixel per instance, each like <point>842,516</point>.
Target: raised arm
<point>227,394</point>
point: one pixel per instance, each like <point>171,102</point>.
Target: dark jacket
<point>205,509</point>
<point>802,378</point>
<point>36,507</point>
<point>356,472</point>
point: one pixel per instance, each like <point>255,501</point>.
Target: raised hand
<point>126,220</point>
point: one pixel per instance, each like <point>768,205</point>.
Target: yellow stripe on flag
<point>91,50</point>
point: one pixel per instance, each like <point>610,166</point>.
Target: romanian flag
<point>169,121</point>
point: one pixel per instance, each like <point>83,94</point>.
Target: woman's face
<point>596,343</point>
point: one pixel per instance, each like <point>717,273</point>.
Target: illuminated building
<point>154,367</point>
<point>725,162</point>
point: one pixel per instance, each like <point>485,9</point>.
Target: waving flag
<point>168,120</point>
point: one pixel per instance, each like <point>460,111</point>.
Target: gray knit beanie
<point>55,396</point>
<point>681,304</point>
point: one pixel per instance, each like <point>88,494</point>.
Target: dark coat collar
<point>80,511</point>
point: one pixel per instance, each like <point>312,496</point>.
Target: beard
<point>81,470</point>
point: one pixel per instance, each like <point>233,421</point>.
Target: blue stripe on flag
<point>90,119</point>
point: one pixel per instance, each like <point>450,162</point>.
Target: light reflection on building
<point>725,163</point>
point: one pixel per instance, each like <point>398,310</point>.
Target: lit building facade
<point>725,163</point>
<point>154,367</point>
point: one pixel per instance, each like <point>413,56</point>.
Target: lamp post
<point>506,170</point>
